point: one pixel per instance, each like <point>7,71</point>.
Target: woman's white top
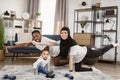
<point>78,52</point>
<point>55,50</point>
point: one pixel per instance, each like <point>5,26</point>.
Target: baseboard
<point>108,61</point>
<point>23,55</point>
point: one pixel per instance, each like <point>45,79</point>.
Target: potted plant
<point>107,37</point>
<point>1,38</point>
<point>83,23</point>
<point>38,14</point>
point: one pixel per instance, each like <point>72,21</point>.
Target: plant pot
<point>82,31</point>
<point>2,55</point>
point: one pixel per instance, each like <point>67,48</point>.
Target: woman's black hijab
<point>66,44</point>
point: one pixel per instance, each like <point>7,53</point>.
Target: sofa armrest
<point>53,37</point>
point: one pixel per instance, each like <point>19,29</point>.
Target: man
<point>39,42</point>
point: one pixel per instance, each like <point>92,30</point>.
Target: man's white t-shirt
<point>43,40</point>
<point>78,52</point>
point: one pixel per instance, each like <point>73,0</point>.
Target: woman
<point>78,53</point>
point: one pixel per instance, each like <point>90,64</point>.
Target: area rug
<point>24,72</point>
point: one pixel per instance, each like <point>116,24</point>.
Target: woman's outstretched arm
<point>71,58</point>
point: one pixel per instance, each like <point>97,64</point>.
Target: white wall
<point>75,4</point>
<point>19,6</point>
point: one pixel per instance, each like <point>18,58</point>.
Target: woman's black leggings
<point>92,54</point>
<point>98,52</point>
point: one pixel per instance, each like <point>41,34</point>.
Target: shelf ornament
<point>83,23</point>
<point>25,15</point>
<point>110,21</point>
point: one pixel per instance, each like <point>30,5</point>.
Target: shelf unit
<point>97,25</point>
<point>18,25</point>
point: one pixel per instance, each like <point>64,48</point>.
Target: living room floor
<point>109,69</point>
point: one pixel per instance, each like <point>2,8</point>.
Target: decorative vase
<point>82,31</point>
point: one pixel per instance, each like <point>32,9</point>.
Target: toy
<point>9,77</point>
<point>69,76</point>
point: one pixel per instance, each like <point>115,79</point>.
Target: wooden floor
<point>109,69</point>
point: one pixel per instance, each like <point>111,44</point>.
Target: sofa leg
<point>13,57</point>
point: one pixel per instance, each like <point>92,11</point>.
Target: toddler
<point>42,64</point>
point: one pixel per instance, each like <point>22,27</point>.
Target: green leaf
<point>38,13</point>
<point>83,23</point>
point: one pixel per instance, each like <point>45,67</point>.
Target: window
<point>47,9</point>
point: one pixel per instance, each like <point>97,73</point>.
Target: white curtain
<point>60,15</point>
<point>33,8</point>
